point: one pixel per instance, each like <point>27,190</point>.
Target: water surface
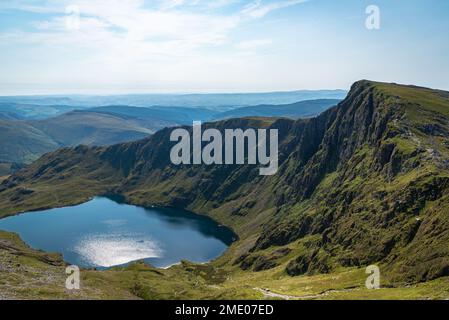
<point>104,233</point>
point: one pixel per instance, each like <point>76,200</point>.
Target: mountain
<point>302,109</point>
<point>365,182</point>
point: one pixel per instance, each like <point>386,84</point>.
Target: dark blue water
<point>103,233</point>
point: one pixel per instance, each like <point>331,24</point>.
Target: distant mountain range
<point>216,101</point>
<point>28,131</point>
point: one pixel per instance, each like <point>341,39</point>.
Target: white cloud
<point>133,20</point>
<point>118,20</point>
<point>128,41</point>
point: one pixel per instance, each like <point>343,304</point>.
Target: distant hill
<point>20,111</point>
<point>9,116</point>
<point>23,143</point>
<point>94,128</point>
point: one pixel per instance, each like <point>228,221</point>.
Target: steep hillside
<point>364,182</point>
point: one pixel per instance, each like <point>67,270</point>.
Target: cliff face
<point>365,182</point>
<point>375,188</point>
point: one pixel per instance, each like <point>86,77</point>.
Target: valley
<point>364,182</point>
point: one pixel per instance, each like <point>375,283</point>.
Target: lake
<point>104,232</point>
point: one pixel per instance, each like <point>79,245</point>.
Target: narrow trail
<point>270,294</point>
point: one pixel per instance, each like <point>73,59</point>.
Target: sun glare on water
<point>117,249</point>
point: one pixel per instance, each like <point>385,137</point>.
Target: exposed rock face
<point>368,178</point>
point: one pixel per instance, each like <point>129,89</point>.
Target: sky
<point>180,46</point>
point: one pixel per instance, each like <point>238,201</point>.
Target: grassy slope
<point>377,191</point>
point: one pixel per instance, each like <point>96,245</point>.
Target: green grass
<point>428,99</point>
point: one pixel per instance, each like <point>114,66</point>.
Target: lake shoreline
<point>121,243</point>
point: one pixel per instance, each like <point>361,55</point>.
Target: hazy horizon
<point>68,95</point>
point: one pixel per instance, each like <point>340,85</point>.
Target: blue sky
<point>137,46</point>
